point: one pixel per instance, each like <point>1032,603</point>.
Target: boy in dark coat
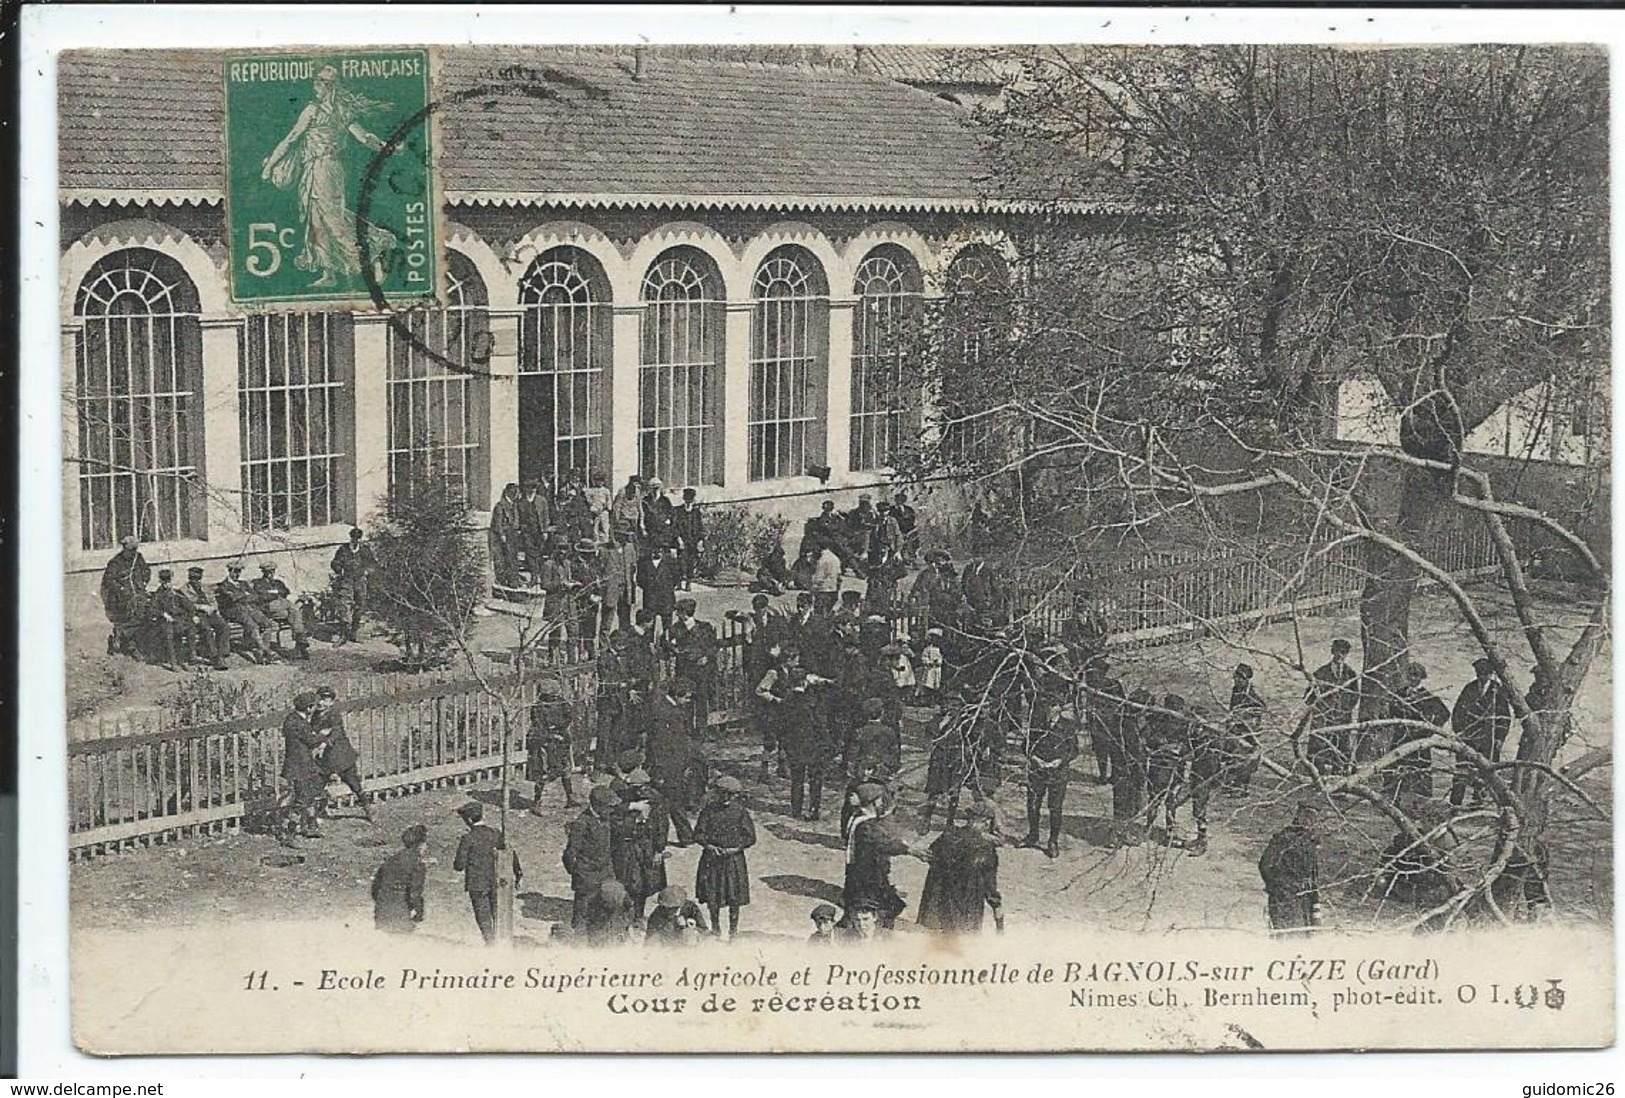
<point>1167,750</point>
<point>477,860</point>
<point>589,851</point>
<point>397,886</point>
<point>352,569</point>
<point>676,919</point>
<point>550,747</point>
<point>1482,718</point>
<point>724,831</point>
<point>338,758</point>
<point>637,837</point>
<point>1051,747</point>
<point>1290,868</point>
<point>964,877</point>
<point>689,530</point>
<point>674,762</point>
<point>609,916</point>
<point>871,843</point>
<point>658,578</point>
<point>299,766</point>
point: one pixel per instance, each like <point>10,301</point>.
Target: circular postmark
<point>544,86</point>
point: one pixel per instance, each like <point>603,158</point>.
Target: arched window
<point>564,351</point>
<point>678,440</point>
<point>297,412</point>
<point>435,410</point>
<point>885,327</point>
<point>789,350</point>
<point>138,369</point>
<point>977,320</point>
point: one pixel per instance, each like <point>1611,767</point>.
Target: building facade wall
<point>501,243</point>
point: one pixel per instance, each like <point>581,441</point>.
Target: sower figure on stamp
<point>211,625</point>
<point>353,566</point>
<point>1482,718</point>
<point>397,886</point>
<point>724,831</point>
<point>1290,868</point>
<point>550,746</point>
<point>338,759</point>
<point>306,781</point>
<point>589,851</point>
<point>1052,744</point>
<point>478,860</point>
<point>124,593</point>
<point>963,880</point>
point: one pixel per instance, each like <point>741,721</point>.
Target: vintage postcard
<point>837,548</point>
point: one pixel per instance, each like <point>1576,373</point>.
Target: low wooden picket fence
<point>134,786</point>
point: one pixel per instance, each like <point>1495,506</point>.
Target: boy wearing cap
<point>338,758</point>
<point>1333,694</point>
<point>476,860</point>
<point>300,770</point>
<point>674,760</point>
<point>724,831</point>
<point>638,828</point>
<point>689,531</point>
<point>824,918</point>
<point>696,647</point>
<point>1290,868</point>
<point>172,622</point>
<point>588,851</point>
<point>397,886</point>
<point>352,569</point>
<point>871,843</point>
<point>676,919</point>
<point>550,746</point>
<point>1482,718</point>
<point>212,627</point>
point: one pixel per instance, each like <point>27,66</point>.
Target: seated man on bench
<point>277,603</point>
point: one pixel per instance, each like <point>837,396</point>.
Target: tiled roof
<point>544,124</point>
<point>937,65</point>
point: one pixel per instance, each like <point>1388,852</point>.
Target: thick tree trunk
<point>1410,505</point>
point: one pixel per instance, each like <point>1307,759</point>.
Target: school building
<point>702,270</point>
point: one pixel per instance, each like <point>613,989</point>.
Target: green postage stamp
<point>331,191</point>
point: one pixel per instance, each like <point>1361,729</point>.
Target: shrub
<point>738,537</point>
<point>431,571</point>
<point>94,681</point>
<point>202,698</point>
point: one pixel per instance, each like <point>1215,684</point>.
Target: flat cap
<point>602,797</point>
<point>825,913</point>
<point>870,792</point>
<point>672,896</point>
<point>639,776</point>
<point>414,835</point>
<point>473,812</point>
<point>729,784</point>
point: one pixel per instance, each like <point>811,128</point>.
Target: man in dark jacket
<point>238,605</point>
<point>695,647</point>
<point>1290,868</point>
<point>659,582</point>
<point>588,852</point>
<point>352,569</point>
<point>477,860</point>
<point>173,627</point>
<point>397,886</point>
<point>211,625</point>
<point>124,592</point>
<point>1417,714</point>
<point>299,766</point>
<point>689,531</point>
<point>674,761</point>
<point>277,603</point>
<point>803,735</point>
<point>506,540</point>
<point>1051,747</point>
<point>1333,694</point>
<point>532,517</point>
<point>338,757</point>
<point>1482,718</point>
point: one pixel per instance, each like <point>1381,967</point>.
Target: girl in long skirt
<point>724,831</point>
